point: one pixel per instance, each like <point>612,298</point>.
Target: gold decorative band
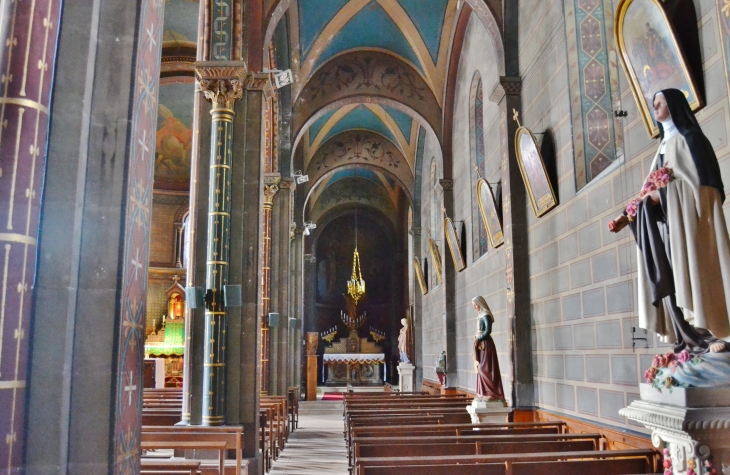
<point>24,103</point>
<point>215,365</point>
<point>218,263</point>
<point>12,384</point>
<point>221,166</point>
<point>218,213</point>
<point>19,238</point>
<point>214,313</point>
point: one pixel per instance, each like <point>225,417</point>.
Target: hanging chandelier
<point>356,284</point>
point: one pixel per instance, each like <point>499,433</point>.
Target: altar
<point>354,368</point>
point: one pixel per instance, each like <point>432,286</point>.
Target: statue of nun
<point>489,379</point>
<point>681,236</point>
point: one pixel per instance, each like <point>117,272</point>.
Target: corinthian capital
<point>221,82</point>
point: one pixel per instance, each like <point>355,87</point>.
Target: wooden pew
<point>601,461</point>
<point>167,466</point>
<point>293,395</point>
<point>183,436</point>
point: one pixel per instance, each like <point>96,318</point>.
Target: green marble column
<point>222,85</point>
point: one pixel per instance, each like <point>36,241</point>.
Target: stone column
<point>312,342</point>
<point>296,307</point>
<point>281,232</point>
<point>309,264</point>
<point>417,317</point>
<point>514,224</point>
<point>85,389</point>
<point>29,34</point>
<point>449,289</point>
<point>222,85</point>
<point>269,193</point>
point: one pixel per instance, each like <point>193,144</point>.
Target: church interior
<point>228,224</point>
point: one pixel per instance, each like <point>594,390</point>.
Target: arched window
<point>480,243</point>
<point>436,211</point>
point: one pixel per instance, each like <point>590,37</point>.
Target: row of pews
<point>416,433</point>
<point>162,409</point>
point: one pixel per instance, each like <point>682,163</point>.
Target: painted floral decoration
<point>666,365</point>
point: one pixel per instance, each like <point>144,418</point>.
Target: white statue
<point>403,341</point>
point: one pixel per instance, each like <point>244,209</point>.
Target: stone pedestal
<point>482,411</point>
<point>692,424</point>
<point>405,381</point>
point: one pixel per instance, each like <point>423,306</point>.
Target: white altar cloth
<point>354,358</point>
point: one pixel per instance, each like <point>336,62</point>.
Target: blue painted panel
<point>361,118</point>
<point>428,16</point>
<point>314,15</point>
<point>364,173</point>
<point>403,120</point>
<point>371,27</point>
<point>317,126</point>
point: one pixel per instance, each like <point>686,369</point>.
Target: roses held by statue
<point>656,179</point>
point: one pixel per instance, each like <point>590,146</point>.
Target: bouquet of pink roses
<point>657,179</point>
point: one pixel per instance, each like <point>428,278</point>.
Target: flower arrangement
<point>657,179</point>
<point>666,365</point>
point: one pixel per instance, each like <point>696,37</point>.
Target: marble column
<point>269,193</point>
<point>514,223</point>
<point>296,307</point>
<point>29,34</point>
<point>85,389</point>
<point>222,85</point>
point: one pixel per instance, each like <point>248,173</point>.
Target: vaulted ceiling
<point>368,76</point>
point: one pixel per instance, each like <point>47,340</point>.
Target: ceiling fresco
<point>356,192</point>
<point>415,31</point>
<point>174,135</point>
<point>181,21</point>
<point>391,123</point>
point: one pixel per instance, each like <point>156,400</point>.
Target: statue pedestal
<point>482,411</point>
<point>405,381</point>
<point>692,424</point>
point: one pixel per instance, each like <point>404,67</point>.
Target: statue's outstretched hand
<point>618,224</point>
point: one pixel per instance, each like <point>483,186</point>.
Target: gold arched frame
<point>452,238</point>
<point>535,175</point>
<point>419,275</point>
<point>696,102</point>
<point>438,268</point>
<point>488,210</point>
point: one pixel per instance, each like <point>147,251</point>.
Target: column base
<point>482,411</point>
<point>405,381</point>
<point>691,426</point>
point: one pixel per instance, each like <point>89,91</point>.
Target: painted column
<point>296,307</point>
<point>222,85</point>
<point>514,223</point>
<point>452,375</point>
<point>29,34</point>
<point>269,193</point>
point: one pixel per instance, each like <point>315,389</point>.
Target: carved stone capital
<point>511,85</point>
<point>447,185</point>
<point>221,82</point>
<point>269,193</point>
<point>415,231</point>
<point>260,82</point>
<point>272,178</point>
<point>287,184</point>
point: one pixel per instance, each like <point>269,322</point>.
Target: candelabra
<point>353,323</point>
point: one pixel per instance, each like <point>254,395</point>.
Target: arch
<point>366,76</point>
<point>362,147</point>
<point>323,180</point>
<point>334,213</point>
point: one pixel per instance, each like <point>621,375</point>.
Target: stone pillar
<point>242,359</point>
<point>296,307</point>
<point>222,85</point>
<point>269,193</point>
<point>417,317</point>
<point>449,289</point>
<point>85,389</point>
<point>405,377</point>
<point>29,34</point>
<point>514,224</point>
<point>281,232</point>
<point>309,296</point>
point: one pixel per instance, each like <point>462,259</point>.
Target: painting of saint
<point>534,173</point>
<point>488,209</point>
<point>651,56</point>
<point>174,138</point>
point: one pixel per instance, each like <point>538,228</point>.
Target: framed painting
<point>488,210</point>
<point>651,57</point>
<point>419,275</point>
<point>436,259</point>
<point>453,239</point>
<point>534,174</point>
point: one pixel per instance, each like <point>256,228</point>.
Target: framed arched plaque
<point>453,239</point>
<point>488,210</point>
<point>438,268</point>
<point>419,275</point>
<point>651,57</point>
<point>534,173</point>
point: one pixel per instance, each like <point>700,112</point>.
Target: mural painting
<point>174,136</point>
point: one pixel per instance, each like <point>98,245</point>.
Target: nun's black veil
<point>703,155</point>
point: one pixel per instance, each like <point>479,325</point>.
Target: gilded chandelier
<point>356,284</point>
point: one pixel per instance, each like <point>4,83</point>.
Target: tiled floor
<point>317,447</point>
